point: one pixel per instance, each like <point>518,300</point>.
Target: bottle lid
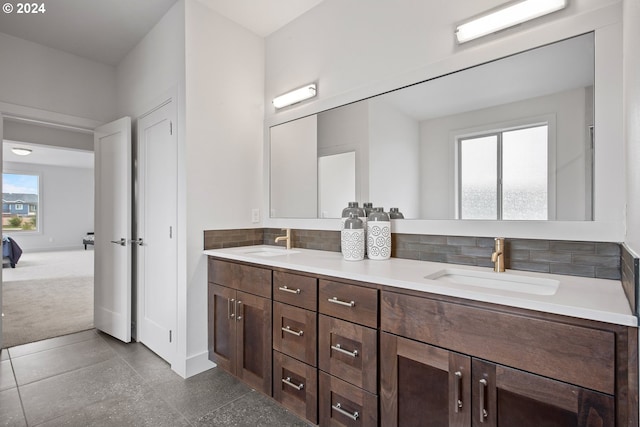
<point>378,214</point>
<point>353,222</point>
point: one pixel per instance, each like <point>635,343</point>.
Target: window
<point>20,202</point>
<point>503,175</point>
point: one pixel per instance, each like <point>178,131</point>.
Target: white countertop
<point>587,298</point>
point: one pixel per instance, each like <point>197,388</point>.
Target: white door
<point>112,271</point>
<point>156,205</point>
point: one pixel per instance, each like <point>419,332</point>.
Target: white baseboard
<point>193,365</point>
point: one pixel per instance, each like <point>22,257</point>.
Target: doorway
<point>49,290</point>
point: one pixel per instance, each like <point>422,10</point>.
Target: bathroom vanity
<point>392,342</point>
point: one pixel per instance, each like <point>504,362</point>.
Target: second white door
<point>156,231</point>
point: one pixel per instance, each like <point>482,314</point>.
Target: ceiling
<point>106,30</point>
<point>48,155</point>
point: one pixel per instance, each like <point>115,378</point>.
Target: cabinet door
<point>222,326</point>
<point>253,335</point>
<point>422,385</point>
<point>506,397</point>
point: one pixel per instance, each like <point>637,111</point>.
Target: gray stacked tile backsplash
<point>630,278</point>
<point>586,259</point>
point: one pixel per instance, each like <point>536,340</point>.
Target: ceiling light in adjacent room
<point>295,96</point>
<point>506,16</point>
<point>21,151</point>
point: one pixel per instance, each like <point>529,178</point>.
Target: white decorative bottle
<point>352,238</point>
<point>378,235</point>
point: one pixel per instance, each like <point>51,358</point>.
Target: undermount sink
<point>499,281</point>
<point>268,252</point>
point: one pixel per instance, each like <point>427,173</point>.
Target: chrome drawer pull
<point>335,300</point>
<point>337,347</point>
<point>292,332</point>
<point>483,400</point>
<point>239,310</point>
<point>291,291</point>
<point>338,408</point>
<point>231,314</point>
<point>288,382</point>
<point>458,398</point>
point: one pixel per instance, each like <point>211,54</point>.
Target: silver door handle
<point>121,242</point>
<point>335,300</point>
<point>138,241</point>
<point>292,332</point>
<point>288,382</point>
<point>287,289</point>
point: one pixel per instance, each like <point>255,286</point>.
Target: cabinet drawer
<point>574,354</point>
<point>297,290</point>
<point>295,385</point>
<point>343,404</point>
<point>295,332</point>
<point>253,280</point>
<point>349,302</point>
<point>348,351</point>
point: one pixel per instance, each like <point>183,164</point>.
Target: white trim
<point>192,365</point>
<point>19,112</point>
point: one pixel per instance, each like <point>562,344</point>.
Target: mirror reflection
<point>508,140</point>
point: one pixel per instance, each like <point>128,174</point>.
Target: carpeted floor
<point>48,294</point>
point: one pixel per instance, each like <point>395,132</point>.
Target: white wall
<point>347,129</point>
<point>224,144</point>
<point>36,76</point>
<point>394,159</point>
<point>153,72</point>
<point>294,169</point>
<point>154,69</point>
<point>66,207</point>
<point>631,70</point>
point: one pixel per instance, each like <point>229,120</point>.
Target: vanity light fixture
<point>295,96</point>
<point>508,15</point>
<point>21,151</point>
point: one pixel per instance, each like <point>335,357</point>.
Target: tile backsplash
<point>586,259</point>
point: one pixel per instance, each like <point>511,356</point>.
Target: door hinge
<point>170,127</point>
<point>171,232</point>
<point>170,336</point>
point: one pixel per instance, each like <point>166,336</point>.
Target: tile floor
<point>90,379</point>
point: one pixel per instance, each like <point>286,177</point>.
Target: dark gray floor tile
<point>146,363</point>
<point>139,410</point>
<point>44,364</point>
<point>7,380</point>
<point>11,414</point>
<point>252,409</point>
<point>196,396</point>
<point>69,392</point>
<point>34,347</point>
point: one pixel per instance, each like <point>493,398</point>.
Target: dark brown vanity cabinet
<point>295,326</point>
<point>348,354</point>
<point>240,322</point>
<point>423,385</point>
<point>433,361</point>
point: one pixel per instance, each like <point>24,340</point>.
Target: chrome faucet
<point>497,257</point>
<point>286,238</point>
